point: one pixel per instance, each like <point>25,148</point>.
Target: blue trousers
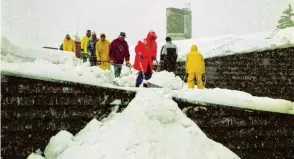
<point>140,77</point>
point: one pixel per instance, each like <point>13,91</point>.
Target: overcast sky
<point>45,22</point>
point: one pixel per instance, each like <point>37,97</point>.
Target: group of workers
<point>105,54</point>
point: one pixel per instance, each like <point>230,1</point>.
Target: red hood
<point>151,36</point>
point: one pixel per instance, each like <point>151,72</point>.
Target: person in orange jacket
<point>195,67</point>
<point>68,44</point>
<point>146,51</point>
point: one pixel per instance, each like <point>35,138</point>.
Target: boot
<point>145,85</point>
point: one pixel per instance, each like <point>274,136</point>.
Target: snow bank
<point>233,44</point>
<point>236,99</point>
<point>152,126</point>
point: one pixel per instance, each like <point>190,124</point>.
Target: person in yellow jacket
<point>195,67</point>
<point>68,44</point>
<point>84,42</point>
<point>102,52</point>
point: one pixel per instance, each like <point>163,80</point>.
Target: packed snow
<point>235,44</point>
<point>152,126</point>
<point>45,64</point>
<point>236,99</point>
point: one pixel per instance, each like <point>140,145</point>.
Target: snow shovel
<point>158,66</point>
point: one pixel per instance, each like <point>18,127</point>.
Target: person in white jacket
<point>168,56</point>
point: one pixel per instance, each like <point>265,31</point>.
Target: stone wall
<point>32,111</point>
<point>250,134</point>
<point>269,73</point>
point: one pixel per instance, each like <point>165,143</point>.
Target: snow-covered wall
<point>39,109</point>
<point>269,73</point>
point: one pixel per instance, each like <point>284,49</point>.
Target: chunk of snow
<point>167,80</point>
<point>152,126</point>
<point>58,144</point>
<point>35,156</point>
<point>116,102</point>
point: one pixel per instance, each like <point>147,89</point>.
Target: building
<point>179,23</point>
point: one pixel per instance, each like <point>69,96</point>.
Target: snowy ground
<point>55,65</point>
<point>152,126</point>
<point>231,44</point>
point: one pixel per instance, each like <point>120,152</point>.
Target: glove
<point>141,57</point>
<point>154,58</point>
<point>128,64</point>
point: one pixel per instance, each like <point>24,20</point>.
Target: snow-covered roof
<point>56,65</point>
<point>233,44</point>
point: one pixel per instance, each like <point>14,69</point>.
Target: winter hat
<point>67,36</point>
<point>93,33</point>
<point>123,34</point>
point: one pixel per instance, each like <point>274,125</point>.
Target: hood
<point>194,48</point>
<point>65,39</point>
<point>151,34</point>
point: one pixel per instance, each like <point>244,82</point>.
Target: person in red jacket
<point>146,51</point>
<point>118,52</point>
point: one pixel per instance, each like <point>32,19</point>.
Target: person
<point>119,51</point>
<point>91,48</point>
<point>84,42</point>
<point>68,44</point>
<point>168,55</point>
<point>146,51</point>
<point>195,67</point>
<point>102,52</point>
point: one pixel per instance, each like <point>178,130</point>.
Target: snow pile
<point>235,99</point>
<point>167,80</point>
<point>152,126</point>
<point>233,44</point>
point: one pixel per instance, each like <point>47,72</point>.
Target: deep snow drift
<point>152,126</point>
